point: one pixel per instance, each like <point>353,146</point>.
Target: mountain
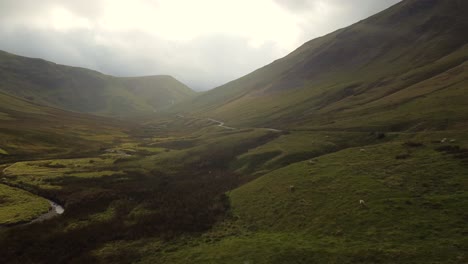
<point>189,189</point>
<point>404,68</point>
<point>83,90</point>
<point>30,131</point>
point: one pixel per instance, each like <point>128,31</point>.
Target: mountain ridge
<point>82,90</point>
<point>351,68</point>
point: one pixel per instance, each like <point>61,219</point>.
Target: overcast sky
<point>203,43</point>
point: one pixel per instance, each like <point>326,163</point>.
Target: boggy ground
<point>183,190</point>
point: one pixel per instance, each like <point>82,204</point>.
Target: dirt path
<point>221,124</point>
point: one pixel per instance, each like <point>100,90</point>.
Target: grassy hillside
<point>82,90</point>
<point>375,112</point>
<point>414,191</point>
<point>163,180</point>
<point>31,131</point>
<point>403,68</point>
<point>159,92</point>
<point>180,190</point>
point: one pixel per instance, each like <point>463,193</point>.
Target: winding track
<point>221,124</point>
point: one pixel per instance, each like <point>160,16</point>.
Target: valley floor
<point>187,190</point>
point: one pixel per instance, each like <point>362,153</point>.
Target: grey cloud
<point>349,13</point>
<point>296,5</point>
<point>218,58</point>
<point>85,8</point>
<point>204,62</point>
<point>354,8</point>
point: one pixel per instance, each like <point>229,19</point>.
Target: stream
<point>55,210</point>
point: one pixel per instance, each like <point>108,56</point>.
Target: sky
<point>203,43</point>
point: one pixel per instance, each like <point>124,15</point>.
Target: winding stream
<point>55,210</point>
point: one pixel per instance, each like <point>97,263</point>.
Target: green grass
<point>40,132</point>
<point>183,190</point>
<point>265,247</point>
<point>340,180</point>
<point>3,152</point>
<point>46,174</point>
<point>416,206</point>
<point>96,218</point>
<point>214,149</point>
<point>18,206</point>
<point>298,146</point>
<point>9,103</point>
<point>415,193</point>
<point>415,211</point>
<point>5,117</point>
<point>135,147</point>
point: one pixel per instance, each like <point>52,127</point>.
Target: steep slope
<point>157,91</point>
<point>82,90</point>
<point>29,131</point>
<point>413,211</point>
<point>391,71</point>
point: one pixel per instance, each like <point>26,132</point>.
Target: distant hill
<point>83,90</point>
<point>29,130</point>
<point>404,68</point>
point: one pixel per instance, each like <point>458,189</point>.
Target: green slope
<point>30,131</point>
<point>155,194</point>
<point>404,69</point>
<point>414,188</point>
<point>82,90</point>
<point>159,92</point>
<point>391,71</point>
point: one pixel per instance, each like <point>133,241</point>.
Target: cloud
<point>318,17</point>
<point>203,43</point>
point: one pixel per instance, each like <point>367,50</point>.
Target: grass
<point>214,149</point>
<point>35,130</point>
<point>99,217</point>
<point>135,147</point>
<point>415,206</point>
<point>5,117</point>
<point>47,174</point>
<point>18,206</point>
<point>298,146</point>
<point>339,180</point>
<point>153,191</point>
<point>3,152</point>
<point>413,185</point>
<point>414,213</point>
<point>267,247</point>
